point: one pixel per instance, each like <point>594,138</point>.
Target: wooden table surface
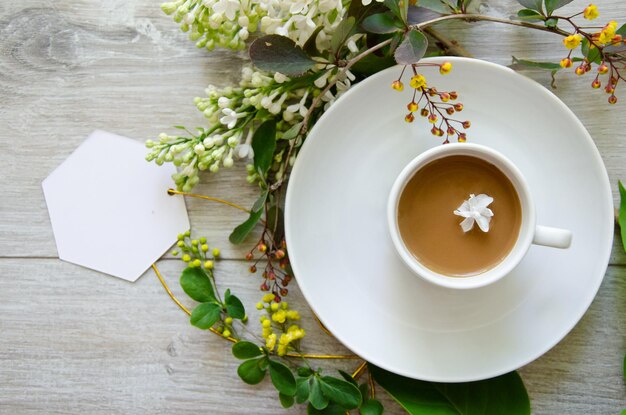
<point>76,341</point>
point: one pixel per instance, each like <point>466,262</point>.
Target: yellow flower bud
<point>274,306</point>
<point>397,85</point>
<point>445,68</point>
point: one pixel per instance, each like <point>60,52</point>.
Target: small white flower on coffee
<point>473,210</point>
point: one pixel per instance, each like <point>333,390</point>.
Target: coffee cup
<point>426,230</point>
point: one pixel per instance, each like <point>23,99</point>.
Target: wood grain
<point>75,341</point>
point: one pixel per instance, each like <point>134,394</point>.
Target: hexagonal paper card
<point>109,208</point>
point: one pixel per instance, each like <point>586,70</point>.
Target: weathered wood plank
<point>74,340</point>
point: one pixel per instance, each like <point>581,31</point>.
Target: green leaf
<point>505,394</point>
<point>205,315</point>
<point>521,63</point>
<point>310,46</point>
<point>234,306</point>
<point>246,350</point>
<point>263,145</point>
<point>592,54</point>
<point>344,30</point>
<point>302,390</point>
<point>530,15</point>
<point>412,48</point>
<point>532,4</point>
<point>552,5</point>
<point>292,132</point>
<point>348,378</point>
<point>364,388</point>
<point>621,31</point>
<point>282,378</point>
<point>316,397</point>
<point>551,22</point>
<point>260,202</point>
<point>305,372</point>
<point>341,392</point>
<point>399,8</point>
<point>371,407</point>
<point>380,23</point>
<point>251,372</point>
<point>438,6</point>
<point>240,232</point>
<point>197,285</point>
<point>274,53</point>
<point>622,224</point>
<point>285,400</point>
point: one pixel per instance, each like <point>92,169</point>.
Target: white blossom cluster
<point>233,114</point>
<point>229,23</point>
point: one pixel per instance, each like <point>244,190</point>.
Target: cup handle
<point>553,237</point>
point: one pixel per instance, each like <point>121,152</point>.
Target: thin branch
<point>484,18</point>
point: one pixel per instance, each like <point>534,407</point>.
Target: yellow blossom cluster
<point>279,317</point>
<point>573,41</point>
<point>607,34</point>
<point>591,12</point>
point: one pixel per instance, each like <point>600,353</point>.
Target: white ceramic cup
<point>530,232</point>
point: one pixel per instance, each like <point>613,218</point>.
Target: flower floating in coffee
<point>473,210</point>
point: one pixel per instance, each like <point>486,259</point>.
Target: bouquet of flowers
<point>304,55</point>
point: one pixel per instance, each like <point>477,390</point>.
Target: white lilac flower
<point>227,7</point>
<point>245,150</point>
<point>473,210</point>
<point>230,117</point>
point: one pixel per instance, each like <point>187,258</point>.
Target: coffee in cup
<point>434,193</point>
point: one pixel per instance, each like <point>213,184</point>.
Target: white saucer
<point>355,282</point>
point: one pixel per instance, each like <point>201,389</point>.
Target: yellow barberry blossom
<point>266,323</point>
<point>270,342</point>
<point>293,333</point>
<point>417,81</point>
<point>445,68</point>
<point>274,306</point>
<point>397,85</point>
<point>293,315</point>
<point>591,12</point>
<point>280,316</point>
<point>572,41</point>
<point>608,32</point>
<point>267,298</point>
